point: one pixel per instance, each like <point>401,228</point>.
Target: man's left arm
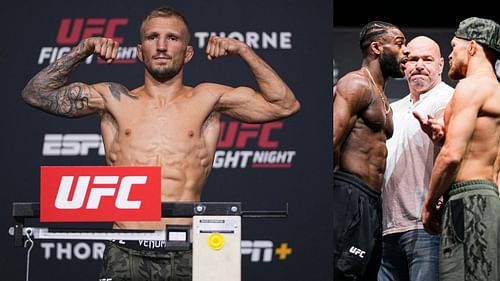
<point>460,126</point>
<point>275,99</point>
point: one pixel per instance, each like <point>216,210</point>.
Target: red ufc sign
<point>71,31</point>
<point>236,134</point>
<point>93,193</point>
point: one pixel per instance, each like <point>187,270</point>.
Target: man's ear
<point>189,54</point>
<point>138,48</point>
<point>472,47</point>
<point>376,47</point>
<point>441,65</point>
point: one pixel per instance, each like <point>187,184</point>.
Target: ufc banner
<point>99,193</point>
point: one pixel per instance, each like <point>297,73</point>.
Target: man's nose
<point>162,44</point>
<point>420,63</point>
<point>406,52</point>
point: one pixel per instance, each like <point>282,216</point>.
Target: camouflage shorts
<point>125,264</point>
<point>470,243</point>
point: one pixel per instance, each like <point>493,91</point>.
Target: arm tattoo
<point>67,101</point>
<point>117,90</point>
<point>46,89</point>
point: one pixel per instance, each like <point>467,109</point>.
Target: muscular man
<point>467,166</point>
<point>408,252</point>
<point>161,123</point>
<point>362,122</point>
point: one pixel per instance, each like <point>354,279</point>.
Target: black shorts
<point>145,261</point>
<point>357,229</point>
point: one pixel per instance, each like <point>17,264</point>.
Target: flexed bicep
<point>73,100</point>
<point>49,89</point>
<point>273,100</point>
<point>247,105</point>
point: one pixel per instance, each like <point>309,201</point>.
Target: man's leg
<point>422,251</point>
<point>394,265</point>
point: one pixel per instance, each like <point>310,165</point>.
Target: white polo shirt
<point>411,155</point>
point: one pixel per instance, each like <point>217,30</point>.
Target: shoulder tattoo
<point>117,90</point>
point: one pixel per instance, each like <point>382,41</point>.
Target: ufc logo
<point>100,193</point>
<point>71,31</point>
<point>96,193</point>
<point>357,252</point>
<point>237,135</point>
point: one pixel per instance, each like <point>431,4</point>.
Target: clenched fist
<point>221,46</point>
<point>104,48</point>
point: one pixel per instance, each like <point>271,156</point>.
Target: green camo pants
<point>124,264</point>
<point>470,240</point>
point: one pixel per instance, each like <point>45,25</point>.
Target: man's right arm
<point>460,121</point>
<point>433,126</point>
<point>349,98</point>
<point>48,90</point>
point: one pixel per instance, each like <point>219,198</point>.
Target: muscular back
<point>478,96</point>
<point>361,127</point>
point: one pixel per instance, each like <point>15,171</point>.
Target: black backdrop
<point>297,44</point>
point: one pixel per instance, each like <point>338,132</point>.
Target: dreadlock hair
<point>373,31</point>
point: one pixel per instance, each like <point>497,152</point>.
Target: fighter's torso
<point>179,135</point>
<point>481,159</point>
<point>364,151</point>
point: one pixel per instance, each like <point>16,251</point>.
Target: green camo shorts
<point>126,264</point>
<point>471,231</point>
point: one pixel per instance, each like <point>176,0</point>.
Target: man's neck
<point>415,93</point>
<point>480,67</point>
<point>167,89</point>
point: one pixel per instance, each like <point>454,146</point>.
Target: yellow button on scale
<point>216,241</point>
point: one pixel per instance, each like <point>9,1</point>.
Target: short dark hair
<point>164,12</point>
<point>372,31</point>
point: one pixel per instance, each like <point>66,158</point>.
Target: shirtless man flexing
<point>163,122</point>
<point>362,122</point>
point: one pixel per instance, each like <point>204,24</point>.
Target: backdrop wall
<point>294,37</point>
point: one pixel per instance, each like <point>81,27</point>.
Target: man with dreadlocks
<point>362,122</point>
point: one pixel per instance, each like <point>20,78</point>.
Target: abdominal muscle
<point>185,167</point>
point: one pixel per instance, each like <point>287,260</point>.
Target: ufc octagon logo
<point>99,193</point>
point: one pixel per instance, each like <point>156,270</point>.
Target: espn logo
<point>85,193</point>
<point>259,250</point>
<point>72,144</point>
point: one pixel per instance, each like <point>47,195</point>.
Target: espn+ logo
<point>99,193</point>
